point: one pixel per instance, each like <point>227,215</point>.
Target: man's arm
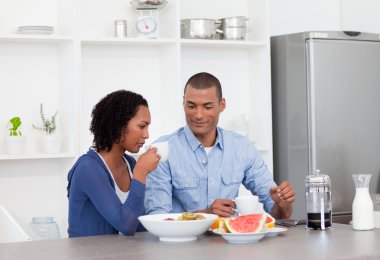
<point>257,177</point>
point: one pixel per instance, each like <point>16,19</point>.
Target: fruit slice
<point>252,223</point>
<point>219,225</point>
<point>269,223</point>
<point>216,223</point>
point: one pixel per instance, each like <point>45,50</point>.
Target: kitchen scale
<point>147,21</point>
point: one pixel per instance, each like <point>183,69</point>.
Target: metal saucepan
<point>235,21</point>
<point>233,28</point>
<point>198,28</point>
<point>234,33</point>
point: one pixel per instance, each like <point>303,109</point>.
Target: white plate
<point>36,28</point>
<point>274,231</point>
<point>250,237</point>
<point>242,238</point>
<point>176,230</point>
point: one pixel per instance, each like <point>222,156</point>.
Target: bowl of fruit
<point>178,227</point>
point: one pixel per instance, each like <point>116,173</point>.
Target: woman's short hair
<point>111,115</point>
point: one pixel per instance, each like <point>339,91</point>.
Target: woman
<point>106,187</point>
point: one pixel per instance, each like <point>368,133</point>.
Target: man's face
<point>202,108</point>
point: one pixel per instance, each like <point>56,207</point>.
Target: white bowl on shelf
<point>176,230</point>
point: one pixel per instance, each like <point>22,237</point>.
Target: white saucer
<point>272,232</point>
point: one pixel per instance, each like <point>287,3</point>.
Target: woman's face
<point>137,130</point>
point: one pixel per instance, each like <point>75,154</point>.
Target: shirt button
<point>204,162</point>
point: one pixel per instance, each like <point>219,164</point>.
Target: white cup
<point>162,150</point>
<point>247,204</point>
<point>260,208</point>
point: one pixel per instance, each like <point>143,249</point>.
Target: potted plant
<point>15,142</point>
<point>51,141</point>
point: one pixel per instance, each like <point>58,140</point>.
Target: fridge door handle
<point>311,106</point>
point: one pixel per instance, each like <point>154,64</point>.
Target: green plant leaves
<point>48,125</point>
<point>16,122</point>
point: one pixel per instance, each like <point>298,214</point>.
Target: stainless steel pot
<point>198,28</point>
<point>234,33</point>
<point>235,21</point>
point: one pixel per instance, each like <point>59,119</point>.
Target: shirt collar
<point>194,143</point>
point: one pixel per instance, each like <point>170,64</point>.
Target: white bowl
<point>176,230</point>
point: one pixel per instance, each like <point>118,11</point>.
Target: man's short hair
<point>204,80</point>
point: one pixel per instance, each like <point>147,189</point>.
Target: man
<point>207,164</point>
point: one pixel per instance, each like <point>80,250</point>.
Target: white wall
<point>363,15</point>
<point>291,16</point>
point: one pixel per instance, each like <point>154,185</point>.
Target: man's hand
<point>222,208</point>
<point>283,196</point>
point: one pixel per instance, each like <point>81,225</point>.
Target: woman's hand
<point>146,163</point>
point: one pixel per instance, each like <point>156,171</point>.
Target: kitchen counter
<point>296,243</point>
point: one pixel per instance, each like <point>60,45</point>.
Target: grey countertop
<point>296,243</point>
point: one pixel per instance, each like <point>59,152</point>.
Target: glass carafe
<point>45,228</point>
<point>318,201</point>
<point>362,206</point>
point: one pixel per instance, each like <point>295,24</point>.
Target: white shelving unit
<point>72,69</point>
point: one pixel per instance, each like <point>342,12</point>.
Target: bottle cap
<point>42,220</point>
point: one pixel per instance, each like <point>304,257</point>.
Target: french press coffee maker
<point>318,201</point>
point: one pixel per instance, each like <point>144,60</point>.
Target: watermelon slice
<point>269,223</point>
<point>252,223</point>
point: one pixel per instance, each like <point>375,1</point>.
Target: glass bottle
<point>362,206</point>
<point>318,201</point>
<point>45,228</point>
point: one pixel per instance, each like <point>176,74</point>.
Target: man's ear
<point>222,104</point>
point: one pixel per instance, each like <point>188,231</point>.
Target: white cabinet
<point>71,70</point>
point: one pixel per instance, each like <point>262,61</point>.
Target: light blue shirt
<point>189,180</point>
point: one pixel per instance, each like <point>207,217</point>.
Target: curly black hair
<point>111,115</point>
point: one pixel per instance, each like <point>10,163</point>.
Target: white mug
<point>247,204</point>
<point>260,208</point>
<point>162,150</point>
